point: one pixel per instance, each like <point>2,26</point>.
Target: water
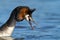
<point>47,15</point>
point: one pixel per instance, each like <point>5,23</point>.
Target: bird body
<point>17,15</point>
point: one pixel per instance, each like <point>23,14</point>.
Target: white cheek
<point>26,16</point>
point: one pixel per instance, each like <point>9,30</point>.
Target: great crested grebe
<point>18,14</point>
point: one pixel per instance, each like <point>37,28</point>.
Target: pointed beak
<point>30,20</point>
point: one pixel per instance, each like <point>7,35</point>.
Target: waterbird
<point>18,14</point>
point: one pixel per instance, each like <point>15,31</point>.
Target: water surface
<point>47,15</point>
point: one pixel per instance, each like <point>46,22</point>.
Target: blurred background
<point>47,16</point>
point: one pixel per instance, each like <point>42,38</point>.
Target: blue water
<point>47,16</point>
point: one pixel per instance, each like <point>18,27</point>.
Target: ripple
<point>32,36</point>
<point>19,39</point>
<point>40,36</point>
<point>21,27</point>
<point>48,27</point>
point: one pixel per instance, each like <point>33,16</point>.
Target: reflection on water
<point>10,38</point>
<point>6,38</point>
<point>18,39</point>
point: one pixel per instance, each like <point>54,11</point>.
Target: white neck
<point>9,29</point>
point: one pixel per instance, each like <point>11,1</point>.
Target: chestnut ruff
<point>17,15</point>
